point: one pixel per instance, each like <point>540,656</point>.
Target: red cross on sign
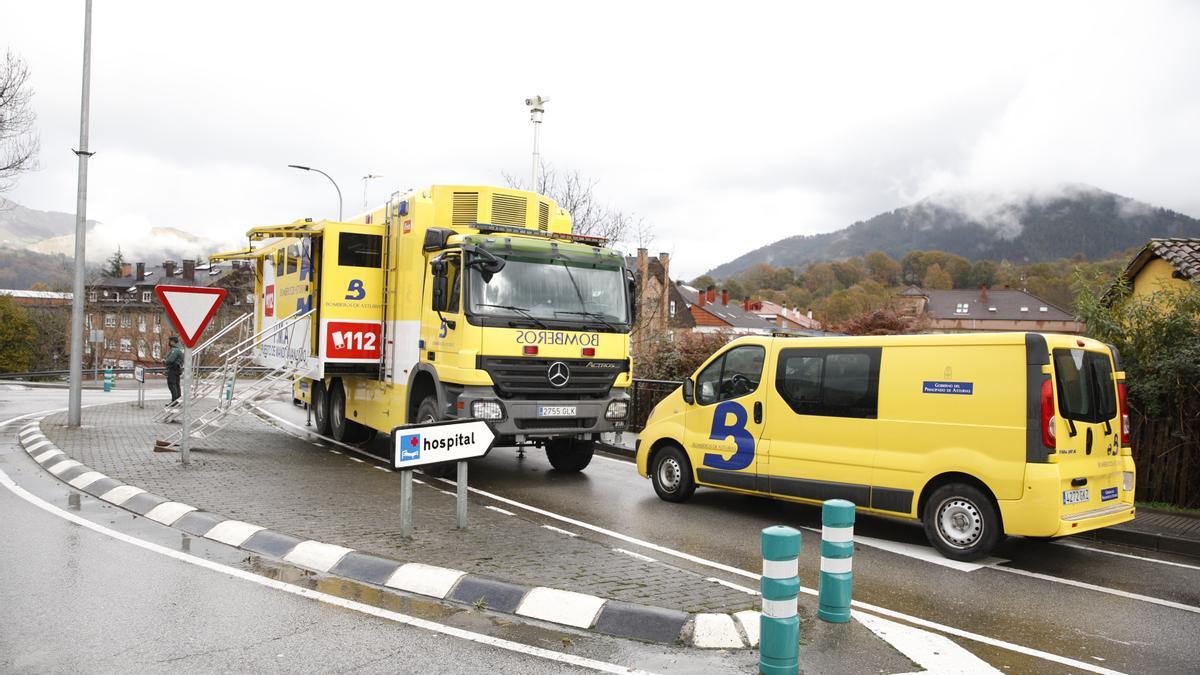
<point>190,309</point>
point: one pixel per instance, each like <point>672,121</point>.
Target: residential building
<point>37,298</point>
<point>1164,264</point>
<point>782,316</point>
<point>661,307</point>
<point>712,312</point>
<point>968,310</point>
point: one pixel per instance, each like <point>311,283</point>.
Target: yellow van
<point>976,435</point>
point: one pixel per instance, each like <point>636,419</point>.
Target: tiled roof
<point>1182,254</point>
<point>733,314</point>
<point>1001,305</point>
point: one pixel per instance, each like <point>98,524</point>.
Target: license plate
<point>1076,496</point>
<point>556,411</point>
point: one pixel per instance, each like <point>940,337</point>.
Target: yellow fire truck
<point>451,302</point>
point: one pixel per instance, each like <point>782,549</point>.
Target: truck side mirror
<point>437,268</point>
<point>689,391</point>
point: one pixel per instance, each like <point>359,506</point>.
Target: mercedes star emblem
<point>558,374</point>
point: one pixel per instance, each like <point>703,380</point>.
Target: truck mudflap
<point>537,419</point>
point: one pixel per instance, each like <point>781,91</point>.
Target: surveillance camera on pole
<point>536,108</point>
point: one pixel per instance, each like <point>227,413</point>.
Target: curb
<point>1164,543</point>
<point>566,608</point>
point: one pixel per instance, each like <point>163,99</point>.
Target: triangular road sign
<point>190,308</point>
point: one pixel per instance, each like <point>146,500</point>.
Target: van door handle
<point>758,412</point>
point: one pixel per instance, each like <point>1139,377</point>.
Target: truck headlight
<point>486,410</point>
<point>617,410</point>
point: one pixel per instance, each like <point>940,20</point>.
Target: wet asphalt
<point>1059,615</point>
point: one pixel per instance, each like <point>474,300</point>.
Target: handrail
<point>204,345</point>
<point>257,338</point>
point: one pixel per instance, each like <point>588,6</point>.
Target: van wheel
<point>672,475</point>
<point>570,454</point>
<point>320,408</point>
<point>961,522</point>
<point>342,428</point>
<point>428,412</point>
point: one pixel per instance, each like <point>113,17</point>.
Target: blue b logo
<point>355,290</point>
<point>722,429</point>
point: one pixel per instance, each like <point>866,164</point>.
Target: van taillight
<point>1124,412</point>
<point>1048,413</point>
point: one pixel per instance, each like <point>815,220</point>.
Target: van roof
<point>1053,340</point>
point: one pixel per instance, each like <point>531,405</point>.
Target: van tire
<point>341,427</point>
<point>672,475</point>
<point>569,455</point>
<point>962,523</point>
<point>320,408</point>
<point>428,412</point>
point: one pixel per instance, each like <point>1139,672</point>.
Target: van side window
<point>830,382</point>
<point>734,374</point>
<point>360,250</point>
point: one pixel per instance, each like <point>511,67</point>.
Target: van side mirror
<point>689,391</point>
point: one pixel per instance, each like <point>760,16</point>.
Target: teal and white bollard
<point>779,626</point>
<point>837,555</point>
<point>108,379</point>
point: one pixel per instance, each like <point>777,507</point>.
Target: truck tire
<point>671,474</point>
<point>320,408</point>
<point>428,412</point>
<point>570,454</point>
<point>341,427</point>
<point>961,522</point>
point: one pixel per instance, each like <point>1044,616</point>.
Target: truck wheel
<point>320,408</point>
<point>343,429</point>
<point>672,475</point>
<point>961,522</point>
<point>570,454</point>
<point>428,412</point>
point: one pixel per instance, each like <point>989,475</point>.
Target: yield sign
<point>190,308</point>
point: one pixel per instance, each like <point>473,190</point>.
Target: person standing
<point>174,366</point>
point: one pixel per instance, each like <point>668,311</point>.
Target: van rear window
<point>1086,388</point>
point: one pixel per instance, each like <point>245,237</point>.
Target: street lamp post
<point>75,390</point>
<point>331,180</point>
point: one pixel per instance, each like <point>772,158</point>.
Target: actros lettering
<point>722,428</point>
<point>552,337</point>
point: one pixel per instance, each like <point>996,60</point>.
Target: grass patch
<point>1164,506</point>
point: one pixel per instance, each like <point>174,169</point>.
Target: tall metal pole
<point>75,395</point>
<point>536,108</point>
<point>331,180</point>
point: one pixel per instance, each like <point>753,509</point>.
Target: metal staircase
<point>208,385</point>
<point>235,394</point>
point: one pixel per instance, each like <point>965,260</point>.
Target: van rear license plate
<point>1076,496</point>
<point>556,411</point>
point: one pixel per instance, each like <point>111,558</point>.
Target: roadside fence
<point>645,394</point>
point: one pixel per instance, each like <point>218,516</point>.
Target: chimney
<point>712,294</point>
<point>126,270</point>
<point>746,303</point>
<point>168,268</point>
<point>810,313</point>
<point>189,270</point>
<point>141,271</point>
<point>983,295</point>
<point>664,259</point>
<point>724,297</point>
<point>703,297</point>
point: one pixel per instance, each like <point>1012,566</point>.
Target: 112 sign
<point>352,340</point>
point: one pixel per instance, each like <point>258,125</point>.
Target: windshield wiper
<point>524,312</point>
<point>594,315</point>
<point>582,302</point>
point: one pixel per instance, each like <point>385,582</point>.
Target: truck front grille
<point>541,424</point>
<point>528,378</point>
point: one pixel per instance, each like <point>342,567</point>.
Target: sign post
<point>190,309</point>
<point>417,445</point>
<point>139,374</point>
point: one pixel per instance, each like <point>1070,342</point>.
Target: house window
<point>1043,309</point>
<point>88,321</point>
<point>157,324</point>
<point>157,350</point>
<point>145,296</point>
<point>141,348</point>
<point>87,347</point>
<point>672,309</point>
<point>110,320</point>
<point>141,323</point>
<point>1024,309</point>
<point>91,296</point>
<point>108,344</point>
<point>126,321</point>
<point>126,345</point>
<point>962,308</point>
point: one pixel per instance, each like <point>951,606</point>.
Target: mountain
<point>1025,227</point>
<point>21,226</point>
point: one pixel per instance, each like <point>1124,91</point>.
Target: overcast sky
<point>727,126</point>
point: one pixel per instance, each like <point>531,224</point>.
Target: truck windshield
<point>551,290</point>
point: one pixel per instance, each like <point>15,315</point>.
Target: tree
<point>576,195</point>
<point>885,321</point>
<point>115,265</point>
<point>703,281</point>
<point>983,273</point>
<point>16,337</point>
<point>882,268</point>
<point>937,278</point>
<point>18,139</point>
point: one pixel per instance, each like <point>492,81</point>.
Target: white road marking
<point>566,607</point>
<point>425,579</point>
<point>334,451</point>
<point>638,556</point>
<point>560,530</point>
<point>925,623</point>
<point>934,653</point>
<point>316,555</point>
<point>345,603</point>
<point>497,509</point>
<point>1101,589</point>
<point>169,512</point>
<point>730,584</point>
<point>749,619</point>
<point>232,532</point>
<point>1125,555</point>
<point>61,467</point>
<point>383,468</point>
<point>920,552</point>
<point>121,494</point>
<point>716,631</point>
<point>355,459</point>
<point>36,446</point>
<point>85,479</point>
<point>41,459</point>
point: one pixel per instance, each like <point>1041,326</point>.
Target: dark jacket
<point>174,361</point>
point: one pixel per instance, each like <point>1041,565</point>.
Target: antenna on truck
<point>536,108</point>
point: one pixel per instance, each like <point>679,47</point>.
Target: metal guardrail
<point>116,371</point>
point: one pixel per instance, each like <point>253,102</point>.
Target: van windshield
<point>1086,388</point>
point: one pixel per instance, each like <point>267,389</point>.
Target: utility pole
<point>75,395</point>
<point>536,108</point>
<point>366,178</point>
